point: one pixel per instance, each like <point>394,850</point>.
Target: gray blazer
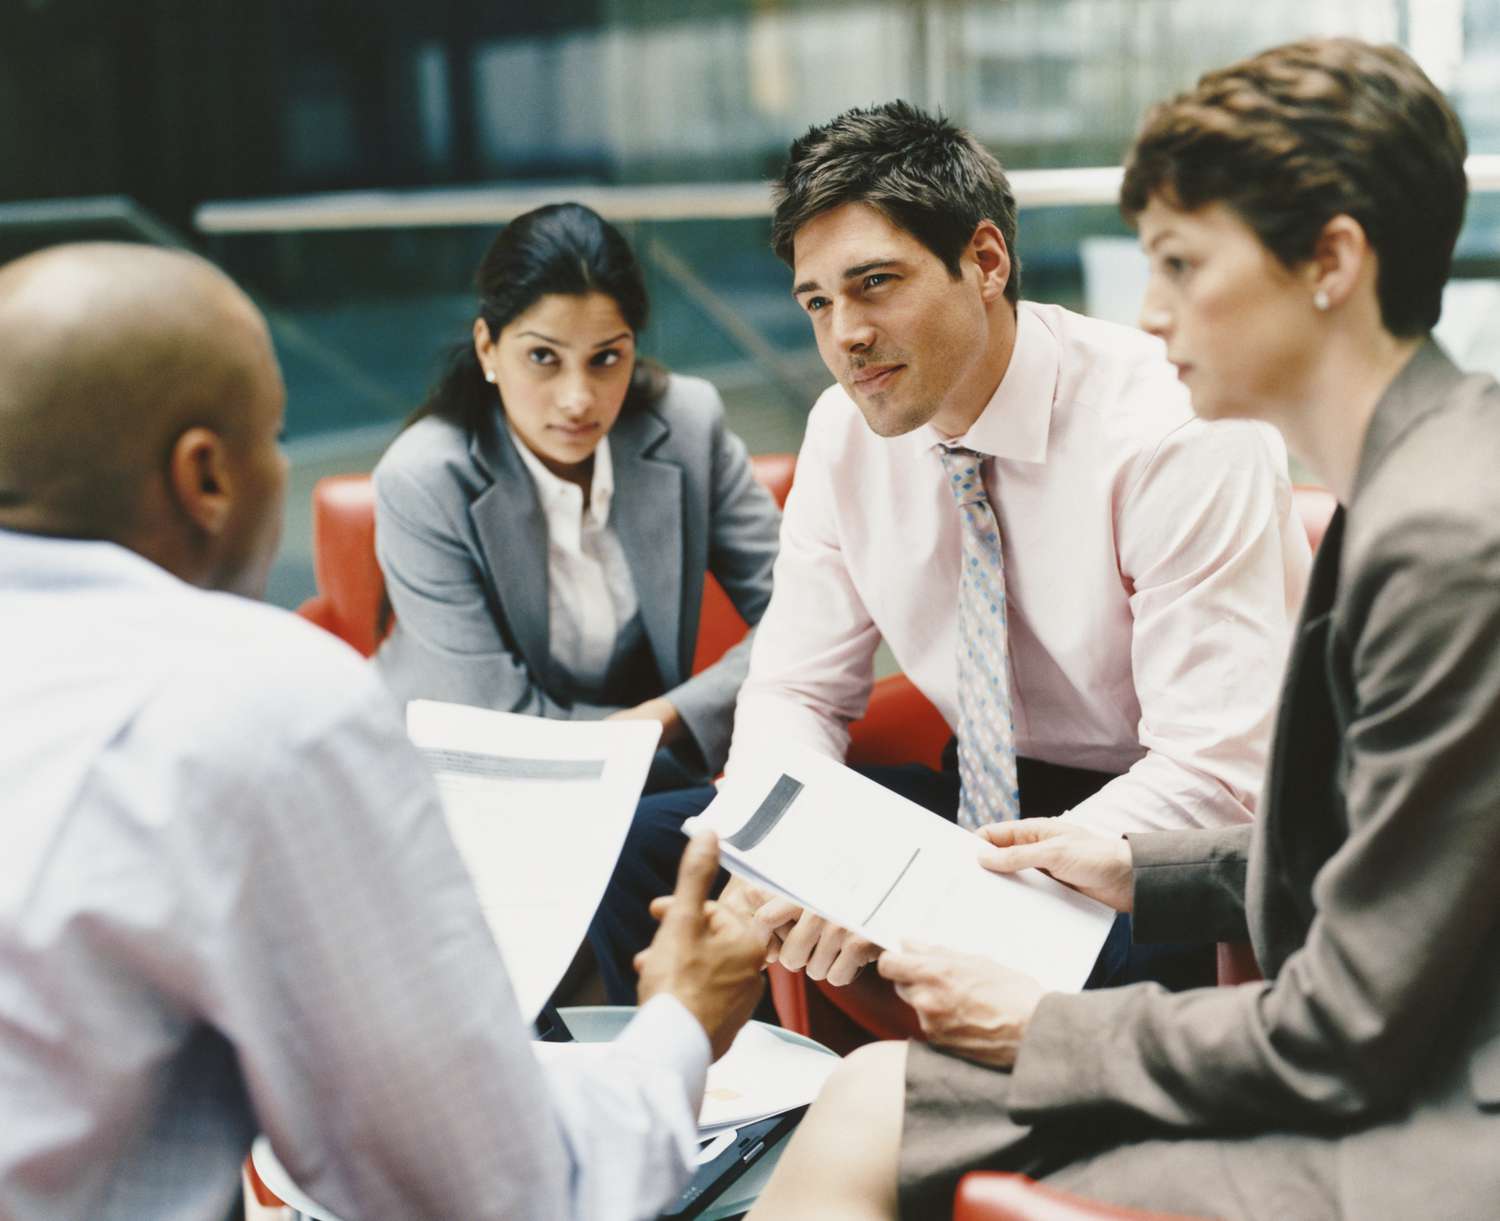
<point>462,541</point>
<point>1370,886</point>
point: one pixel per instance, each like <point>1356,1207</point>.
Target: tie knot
<point>965,479</point>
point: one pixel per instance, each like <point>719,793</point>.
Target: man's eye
<point>814,304</point>
<point>542,356</point>
<point>876,279</point>
<point>1175,266</point>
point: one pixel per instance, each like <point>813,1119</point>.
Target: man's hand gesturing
<point>706,955</point>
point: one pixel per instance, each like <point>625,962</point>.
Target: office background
<point>348,162</point>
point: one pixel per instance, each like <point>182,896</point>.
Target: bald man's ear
<point>199,479</point>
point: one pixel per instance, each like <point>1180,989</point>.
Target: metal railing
<point>1046,188</point>
<point>89,211</point>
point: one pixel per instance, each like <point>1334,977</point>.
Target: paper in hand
<point>538,810</point>
<point>841,845</point>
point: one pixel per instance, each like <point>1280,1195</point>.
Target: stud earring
<point>489,374</point>
<point>1320,300</point>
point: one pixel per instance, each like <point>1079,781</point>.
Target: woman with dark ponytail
<point>545,521</point>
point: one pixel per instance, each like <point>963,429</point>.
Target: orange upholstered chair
<point>987,1196</point>
<point>720,626</point>
<point>350,584</point>
<point>1315,506</point>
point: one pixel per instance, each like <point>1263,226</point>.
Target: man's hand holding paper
<point>1095,865</point>
<point>805,941</point>
<point>799,939</point>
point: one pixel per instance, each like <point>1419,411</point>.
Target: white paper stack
<point>760,1075</point>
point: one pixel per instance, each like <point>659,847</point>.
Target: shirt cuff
<point>664,1032</point>
<point>1189,886</point>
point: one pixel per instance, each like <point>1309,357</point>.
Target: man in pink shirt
<point>1115,651</point>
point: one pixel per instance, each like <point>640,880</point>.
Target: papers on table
<point>760,1075</point>
<point>539,811</point>
<point>834,842</point>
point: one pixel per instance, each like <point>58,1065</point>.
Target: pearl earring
<point>1320,300</point>
<point>489,374</point>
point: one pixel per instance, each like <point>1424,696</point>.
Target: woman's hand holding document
<point>968,1004</point>
<point>856,854</point>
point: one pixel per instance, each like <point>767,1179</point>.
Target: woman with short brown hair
<point>1299,210</point>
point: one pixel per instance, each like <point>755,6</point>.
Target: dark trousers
<point>648,867</point>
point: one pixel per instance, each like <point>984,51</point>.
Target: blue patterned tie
<point>986,730</point>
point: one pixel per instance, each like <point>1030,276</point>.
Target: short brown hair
<point>926,175</point>
<point>1299,134</point>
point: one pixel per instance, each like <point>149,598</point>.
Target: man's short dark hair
<point>925,174</point>
<point>1299,134</point>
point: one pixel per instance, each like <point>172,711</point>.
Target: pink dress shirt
<point>1153,567</point>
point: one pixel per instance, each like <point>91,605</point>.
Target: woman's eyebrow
<point>559,343</point>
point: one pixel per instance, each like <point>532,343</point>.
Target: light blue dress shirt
<point>229,902</point>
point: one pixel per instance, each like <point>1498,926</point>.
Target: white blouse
<point>591,595</point>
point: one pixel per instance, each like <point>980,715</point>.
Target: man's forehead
<point>844,240</point>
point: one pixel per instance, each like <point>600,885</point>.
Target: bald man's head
<point>139,404</point>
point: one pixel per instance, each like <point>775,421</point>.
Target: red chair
<point>350,584</point>
<point>989,1196</point>
<point>720,625</point>
<point>351,587</point>
<point>1315,506</point>
<point>259,1192</point>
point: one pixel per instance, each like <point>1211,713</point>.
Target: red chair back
<point>351,587</point>
<point>720,625</point>
<point>1315,506</point>
<point>990,1196</point>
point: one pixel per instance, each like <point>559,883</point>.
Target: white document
<point>761,1074</point>
<point>834,842</point>
<point>539,810</point>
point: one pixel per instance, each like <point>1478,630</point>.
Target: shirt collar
<point>50,562</point>
<point>552,489</point>
<point>1015,422</point>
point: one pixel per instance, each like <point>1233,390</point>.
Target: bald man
<point>228,899</point>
